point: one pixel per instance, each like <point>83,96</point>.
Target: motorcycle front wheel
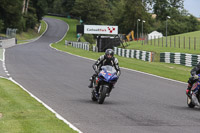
<point>102,94</point>
<point>189,102</point>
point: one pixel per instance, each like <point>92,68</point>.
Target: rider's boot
<point>91,84</point>
<point>188,93</point>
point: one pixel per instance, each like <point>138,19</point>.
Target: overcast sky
<point>193,7</point>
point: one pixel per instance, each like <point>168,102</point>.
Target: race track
<point>139,103</point>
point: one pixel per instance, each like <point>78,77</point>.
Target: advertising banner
<point>100,29</point>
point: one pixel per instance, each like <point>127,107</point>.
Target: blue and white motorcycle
<point>104,83</point>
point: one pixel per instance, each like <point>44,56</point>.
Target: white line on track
<point>120,67</point>
<point>123,67</point>
<point>49,108</point>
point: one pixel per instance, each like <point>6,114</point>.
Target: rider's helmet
<point>109,54</point>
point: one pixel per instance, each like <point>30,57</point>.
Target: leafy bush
<point>1,24</point>
<point>31,21</point>
<point>89,38</point>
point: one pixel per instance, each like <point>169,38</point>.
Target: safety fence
<point>94,49</point>
<point>180,58</point>
<point>81,45</point>
<point>138,54</point>
<point>180,42</point>
<point>128,53</point>
<point>6,43</point>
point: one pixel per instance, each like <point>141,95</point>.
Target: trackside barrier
<point>6,43</point>
<point>138,54</point>
<point>180,58</point>
<point>128,53</point>
<point>94,49</point>
<point>81,45</point>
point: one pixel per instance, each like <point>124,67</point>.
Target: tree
<point>178,4</point>
<point>40,6</point>
<point>92,12</point>
<point>1,25</point>
<point>160,8</point>
<point>50,6</point>
<point>126,14</point>
<point>11,13</point>
<point>67,5</point>
<point>57,7</point>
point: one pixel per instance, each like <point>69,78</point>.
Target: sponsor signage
<point>100,29</point>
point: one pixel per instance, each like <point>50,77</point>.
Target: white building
<point>154,35</point>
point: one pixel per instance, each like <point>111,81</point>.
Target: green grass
<point>157,46</point>
<point>71,35</point>
<point>171,71</point>
<point>22,113</point>
<point>30,34</point>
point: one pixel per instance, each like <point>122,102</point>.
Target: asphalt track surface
<point>139,103</point>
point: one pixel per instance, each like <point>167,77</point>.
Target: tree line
<point>124,13</point>
<point>21,14</point>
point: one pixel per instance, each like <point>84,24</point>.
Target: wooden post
<point>189,43</point>
<point>184,42</point>
<point>174,41</point>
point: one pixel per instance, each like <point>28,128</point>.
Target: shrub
<point>31,21</point>
<point>1,25</point>
<point>89,38</point>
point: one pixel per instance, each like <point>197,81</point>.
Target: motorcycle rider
<point>194,76</point>
<point>107,59</point>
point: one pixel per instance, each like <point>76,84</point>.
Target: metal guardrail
<point>11,33</point>
<point>82,45</point>
<point>1,43</point>
<point>3,38</point>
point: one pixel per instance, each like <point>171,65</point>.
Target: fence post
<point>194,43</point>
<point>174,41</point>
<point>189,43</point>
<point>154,41</point>
<point>158,41</point>
<point>1,43</point>
<point>184,42</point>
<point>179,42</point>
<point>162,41</point>
<point>151,40</point>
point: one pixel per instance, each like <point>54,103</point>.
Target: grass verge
<point>172,71</point>
<point>177,44</point>
<point>182,43</point>
<point>21,113</point>
<point>30,34</point>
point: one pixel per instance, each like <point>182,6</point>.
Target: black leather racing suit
<point>103,61</point>
<point>194,71</point>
